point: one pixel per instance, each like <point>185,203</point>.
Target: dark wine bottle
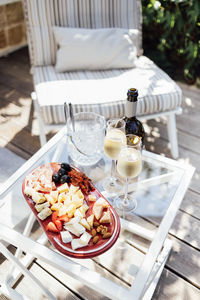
<point>133,125</point>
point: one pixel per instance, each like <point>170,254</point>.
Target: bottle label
<point>130,109</point>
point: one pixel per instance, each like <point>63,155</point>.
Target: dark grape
<point>56,178</point>
<point>61,172</point>
<point>65,178</point>
<point>66,167</point>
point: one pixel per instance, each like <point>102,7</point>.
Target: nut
<point>96,223</point>
<point>107,235</point>
<point>103,231</point>
<point>99,229</point>
<point>95,239</point>
<point>93,232</point>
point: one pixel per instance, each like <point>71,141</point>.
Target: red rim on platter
<point>91,249</point>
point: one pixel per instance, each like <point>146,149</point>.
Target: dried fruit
<point>107,235</point>
<point>93,232</point>
<point>95,239</point>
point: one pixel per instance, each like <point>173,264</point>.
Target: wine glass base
<point>112,185</point>
<point>122,208</point>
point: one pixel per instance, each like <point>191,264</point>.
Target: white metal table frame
<point>149,272</point>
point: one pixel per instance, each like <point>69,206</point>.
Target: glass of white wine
<point>129,165</point>
<point>114,139</point>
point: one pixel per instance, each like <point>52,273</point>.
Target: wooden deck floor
<point>19,133</point>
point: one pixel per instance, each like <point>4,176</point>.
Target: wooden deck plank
<point>172,287</point>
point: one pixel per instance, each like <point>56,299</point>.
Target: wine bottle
<point>133,125</point>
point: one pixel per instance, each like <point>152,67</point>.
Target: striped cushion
<point>104,92</point>
<point>42,15</point>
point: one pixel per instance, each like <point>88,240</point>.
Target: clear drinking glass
<point>86,138</point>
<point>115,137</point>
<point>129,165</point>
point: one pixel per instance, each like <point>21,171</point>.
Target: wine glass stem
<point>126,193</point>
<point>113,170</point>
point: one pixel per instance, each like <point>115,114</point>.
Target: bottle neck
<point>131,108</point>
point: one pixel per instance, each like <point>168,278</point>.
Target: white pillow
<point>94,49</point>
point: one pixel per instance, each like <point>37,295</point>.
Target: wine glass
<point>129,165</point>
<point>115,137</point>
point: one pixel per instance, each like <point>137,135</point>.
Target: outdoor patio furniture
<point>140,261</point>
<point>103,92</point>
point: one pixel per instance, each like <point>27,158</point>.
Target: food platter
<point>75,216</point>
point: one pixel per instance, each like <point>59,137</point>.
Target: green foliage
<point>171,36</point>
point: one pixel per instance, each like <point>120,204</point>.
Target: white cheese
<point>76,228</point>
<point>66,236</point>
<point>85,238</point>
<point>38,197</point>
<point>44,213</point>
<point>29,191</point>
<point>85,223</point>
<point>73,221</point>
<point>92,198</point>
<point>39,207</point>
<point>76,244</point>
<point>72,229</point>
<point>101,201</point>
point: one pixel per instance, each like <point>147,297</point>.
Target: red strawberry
<point>64,218</point>
<point>58,224</point>
<point>52,227</point>
<point>54,216</point>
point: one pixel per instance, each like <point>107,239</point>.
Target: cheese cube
<point>29,191</point>
<point>90,220</point>
<point>40,207</point>
<point>63,188</point>
<point>103,202</point>
<point>44,213</point>
<point>62,211</point>
<point>56,206</point>
<point>77,229</point>
<point>79,194</point>
<point>78,214</point>
<point>38,197</point>
<point>73,221</point>
<point>71,210</point>
<point>77,201</point>
<point>50,199</point>
<point>72,229</point>
<point>65,236</point>
<point>73,189</point>
<point>62,197</point>
<point>76,244</point>
<point>85,223</point>
<point>92,198</point>
<point>83,209</point>
<point>54,195</point>
<point>106,218</point>
<point>85,238</point>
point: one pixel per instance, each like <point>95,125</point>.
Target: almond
<point>93,232</point>
<point>107,235</point>
<point>95,239</point>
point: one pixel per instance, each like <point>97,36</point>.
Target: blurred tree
<point>171,36</point>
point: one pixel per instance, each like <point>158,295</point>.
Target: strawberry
<point>52,227</point>
<point>54,216</point>
<point>64,218</point>
<point>58,224</point>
